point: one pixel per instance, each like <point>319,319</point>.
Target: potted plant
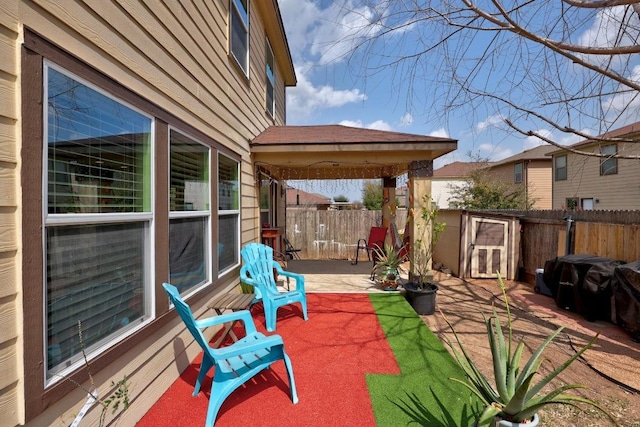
<point>516,399</point>
<point>421,289</point>
<point>387,266</point>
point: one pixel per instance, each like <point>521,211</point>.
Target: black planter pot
<point>423,301</point>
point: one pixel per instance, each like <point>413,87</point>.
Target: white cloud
<point>605,31</point>
<point>328,35</point>
<point>534,141</point>
<point>305,98</point>
<point>441,133</point>
<point>491,121</point>
<point>406,120</point>
<point>494,152</point>
<point>624,99</point>
<point>352,123</point>
<point>378,124</point>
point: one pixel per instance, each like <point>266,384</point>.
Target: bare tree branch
<point>550,69</point>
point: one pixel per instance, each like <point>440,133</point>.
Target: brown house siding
<point>619,191</point>
<point>536,175</point>
<point>172,58</point>
<point>539,176</point>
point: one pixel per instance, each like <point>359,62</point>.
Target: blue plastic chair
<point>235,364</point>
<point>258,271</point>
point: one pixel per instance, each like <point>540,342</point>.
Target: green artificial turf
<point>422,394</point>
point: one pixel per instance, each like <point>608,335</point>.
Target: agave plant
<point>516,397</point>
<point>388,261</point>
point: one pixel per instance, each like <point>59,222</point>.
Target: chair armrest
<point>243,347</point>
<point>242,315</point>
<point>299,278</point>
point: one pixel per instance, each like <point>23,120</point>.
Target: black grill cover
<point>626,292</point>
<point>582,283</point>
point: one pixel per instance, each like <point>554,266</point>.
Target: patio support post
<point>388,203</point>
<point>420,174</point>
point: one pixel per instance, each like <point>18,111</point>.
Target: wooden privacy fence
<point>617,241</point>
<point>610,234</point>
<point>333,234</point>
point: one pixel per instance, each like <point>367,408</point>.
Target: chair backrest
<point>376,237</point>
<point>186,315</point>
<point>321,231</point>
<point>259,264</point>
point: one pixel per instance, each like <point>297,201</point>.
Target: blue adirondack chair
<point>257,271</point>
<point>235,364</point>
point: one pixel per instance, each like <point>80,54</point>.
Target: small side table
<point>233,302</point>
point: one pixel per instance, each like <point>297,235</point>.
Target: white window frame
<point>174,214</point>
<point>229,212</point>
<point>233,9</point>
<point>54,375</point>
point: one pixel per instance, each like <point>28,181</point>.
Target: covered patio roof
<point>342,152</point>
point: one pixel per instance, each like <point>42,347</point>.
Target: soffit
<point>341,152</point>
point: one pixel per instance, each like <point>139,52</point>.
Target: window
<point>561,167</point>
<point>586,204</point>
<point>609,165</point>
<point>97,222</point>
<point>228,212</point>
<point>572,203</point>
<point>240,33</point>
<point>517,173</point>
<point>189,217</point>
<point>270,80</point>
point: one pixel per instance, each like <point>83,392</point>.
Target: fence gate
<point>489,247</point>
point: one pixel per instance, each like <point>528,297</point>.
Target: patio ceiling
<point>341,152</point>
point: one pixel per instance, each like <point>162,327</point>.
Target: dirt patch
<point>609,369</point>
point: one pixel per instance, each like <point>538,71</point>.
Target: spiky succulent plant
<point>515,397</point>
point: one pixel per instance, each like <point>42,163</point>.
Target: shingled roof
<point>459,169</point>
<point>335,134</point>
<point>343,152</point>
<point>537,153</point>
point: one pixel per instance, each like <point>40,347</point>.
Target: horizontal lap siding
<point>618,191</point>
<point>175,55</point>
<point>539,181</point>
<point>11,397</point>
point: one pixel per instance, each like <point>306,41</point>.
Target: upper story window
<point>189,213</point>
<point>517,173</point>
<point>270,80</point>
<point>609,165</point>
<point>560,165</point>
<point>240,33</point>
<point>98,187</point>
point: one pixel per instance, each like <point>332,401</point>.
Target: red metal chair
<point>375,240</point>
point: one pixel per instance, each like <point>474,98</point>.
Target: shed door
<point>489,239</point>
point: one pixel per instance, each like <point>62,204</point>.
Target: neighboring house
<point>530,168</point>
<point>125,161</point>
<point>446,178</point>
<point>587,182</point>
<point>298,199</point>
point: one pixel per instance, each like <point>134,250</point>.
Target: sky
<point>332,88</point>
